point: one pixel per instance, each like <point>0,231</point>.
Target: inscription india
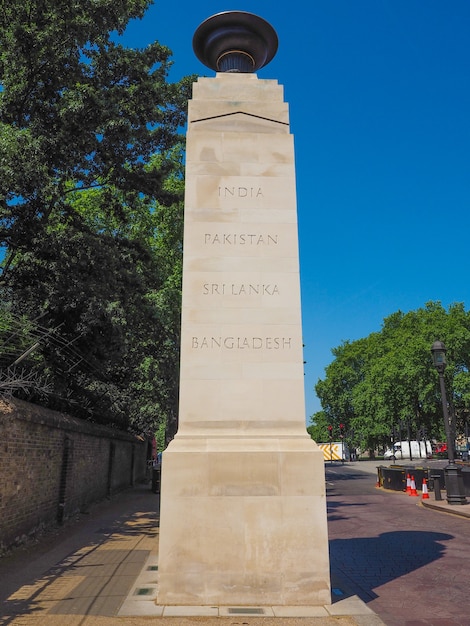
<point>240,192</point>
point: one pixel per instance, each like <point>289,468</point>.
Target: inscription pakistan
<point>232,289</point>
<point>240,239</point>
<point>241,343</point>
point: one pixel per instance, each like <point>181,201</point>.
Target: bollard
<point>437,487</point>
<point>156,479</point>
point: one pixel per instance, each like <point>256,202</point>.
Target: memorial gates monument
<point>243,507</point>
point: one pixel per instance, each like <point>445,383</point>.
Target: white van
<point>401,450</point>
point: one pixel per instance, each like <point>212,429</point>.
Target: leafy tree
<point>318,430</point>
<point>386,382</point>
<point>91,204</point>
<point>78,110</point>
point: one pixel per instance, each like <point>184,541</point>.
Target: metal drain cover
<point>245,611</point>
<point>143,591</point>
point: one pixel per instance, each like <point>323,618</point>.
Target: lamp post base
<point>454,484</point>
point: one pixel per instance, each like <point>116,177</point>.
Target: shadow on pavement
<point>90,572</point>
<point>332,507</point>
<point>337,476</point>
<point>365,563</point>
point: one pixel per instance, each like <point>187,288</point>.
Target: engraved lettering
<point>240,192</point>
<point>274,290</point>
<point>241,239</point>
<point>213,289</point>
<point>241,343</point>
<point>234,289</point>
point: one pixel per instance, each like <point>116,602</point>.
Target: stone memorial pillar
<point>243,510</point>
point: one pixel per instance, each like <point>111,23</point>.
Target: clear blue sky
<point>379,96</point>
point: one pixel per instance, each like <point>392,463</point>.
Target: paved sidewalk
<point>101,570</point>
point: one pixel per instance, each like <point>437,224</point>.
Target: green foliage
<point>318,430</point>
<point>78,110</point>
<point>160,438</point>
<point>91,189</point>
<point>386,381</point>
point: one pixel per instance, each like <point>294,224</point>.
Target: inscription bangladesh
<point>240,239</point>
<point>241,343</point>
<point>232,289</point>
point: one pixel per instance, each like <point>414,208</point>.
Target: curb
<point>452,509</point>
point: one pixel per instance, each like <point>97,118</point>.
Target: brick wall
<point>53,465</point>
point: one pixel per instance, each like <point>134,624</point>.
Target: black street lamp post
<point>453,473</point>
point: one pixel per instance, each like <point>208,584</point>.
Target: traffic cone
<point>413,491</point>
<point>425,495</point>
<point>408,484</point>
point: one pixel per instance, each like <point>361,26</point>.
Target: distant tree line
<point>91,196</point>
<point>386,384</point>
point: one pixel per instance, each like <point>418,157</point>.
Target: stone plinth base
<point>243,522</point>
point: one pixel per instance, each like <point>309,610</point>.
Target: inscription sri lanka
<point>240,192</point>
<point>240,239</point>
<point>232,289</point>
<point>241,343</point>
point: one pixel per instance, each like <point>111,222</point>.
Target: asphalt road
<point>408,563</point>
